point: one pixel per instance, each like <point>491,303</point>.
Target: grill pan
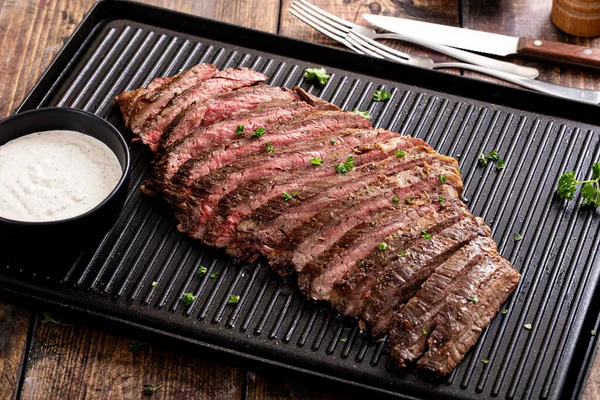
<point>122,45</point>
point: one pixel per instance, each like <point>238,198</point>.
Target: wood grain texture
<point>76,362</point>
<point>14,325</point>
<point>272,387</point>
<point>531,18</point>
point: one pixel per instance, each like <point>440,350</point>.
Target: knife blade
<point>486,42</point>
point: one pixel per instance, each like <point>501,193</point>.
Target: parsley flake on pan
<point>48,320</point>
<point>381,95</point>
<point>316,74</point>
<point>590,191</point>
<point>154,284</point>
<point>213,275</point>
<point>363,113</point>
<point>201,271</point>
<point>233,299</point>
<point>346,166</point>
<point>491,156</point>
<point>344,340</point>
<point>188,298</point>
<point>485,361</point>
<point>527,326</point>
<point>517,237</point>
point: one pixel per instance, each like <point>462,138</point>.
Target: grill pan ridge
<point>113,51</point>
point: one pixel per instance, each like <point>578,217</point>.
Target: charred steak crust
<point>368,220</point>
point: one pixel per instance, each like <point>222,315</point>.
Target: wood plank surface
<point>78,362</point>
<point>81,362</point>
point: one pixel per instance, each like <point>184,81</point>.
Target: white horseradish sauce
<point>55,175</point>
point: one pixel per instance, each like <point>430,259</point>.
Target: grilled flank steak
<point>366,219</point>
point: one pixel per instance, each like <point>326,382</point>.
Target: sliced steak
<point>151,104</point>
<point>460,322</point>
<point>275,221</point>
<point>396,282</point>
<point>319,277</point>
<point>315,101</point>
<point>316,235</point>
<point>266,114</point>
<point>255,194</point>
<point>127,100</point>
<point>223,82</point>
<point>415,321</point>
<point>311,126</point>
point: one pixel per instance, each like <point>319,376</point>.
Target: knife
<point>486,42</point>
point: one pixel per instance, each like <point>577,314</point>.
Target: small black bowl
<point>21,240</point>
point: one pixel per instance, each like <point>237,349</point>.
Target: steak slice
<point>415,321</point>
<point>151,104</point>
<point>255,194</point>
<point>313,125</point>
<point>321,231</point>
<point>395,283</point>
<point>315,101</point>
<point>127,100</point>
<point>266,114</point>
<point>461,321</point>
<point>275,221</point>
<point>224,81</point>
<point>318,278</point>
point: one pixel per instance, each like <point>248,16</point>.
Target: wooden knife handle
<point>559,51</point>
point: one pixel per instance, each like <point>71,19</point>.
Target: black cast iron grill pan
<point>122,45</point>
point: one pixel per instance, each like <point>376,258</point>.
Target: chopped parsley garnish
<point>287,196</point>
<point>344,340</point>
<point>188,298</point>
<point>361,263</point>
<point>346,166</point>
<point>47,319</point>
<point>443,178</point>
<point>381,95</point>
<point>408,200</point>
<point>269,147</point>
<point>401,254</point>
<point>517,237</point>
<point>154,284</point>
<point>473,298</point>
<point>425,235</point>
<point>383,246</point>
<point>239,130</point>
<point>150,389</point>
<point>233,299</point>
<point>400,153</point>
<point>363,113</point>
<point>527,326</point>
<point>504,312</point>
<point>485,361</point>
<point>491,156</point>
<point>593,333</point>
<point>424,331</point>
<point>442,200</point>
<point>201,271</point>
<point>135,346</point>
<point>332,141</point>
<point>590,191</point>
<point>316,161</point>
<point>395,200</point>
<point>259,132</point>
<point>316,74</point>
<point>213,275</point>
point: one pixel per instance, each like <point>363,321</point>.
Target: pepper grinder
<point>577,17</point>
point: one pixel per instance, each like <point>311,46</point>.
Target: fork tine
<point>319,16</point>
<point>324,13</point>
<point>307,20</point>
<point>368,48</point>
<point>318,21</point>
<point>376,47</point>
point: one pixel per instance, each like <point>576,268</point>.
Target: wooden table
<point>40,361</point>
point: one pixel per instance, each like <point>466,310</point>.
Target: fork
<point>364,45</point>
<point>343,26</point>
